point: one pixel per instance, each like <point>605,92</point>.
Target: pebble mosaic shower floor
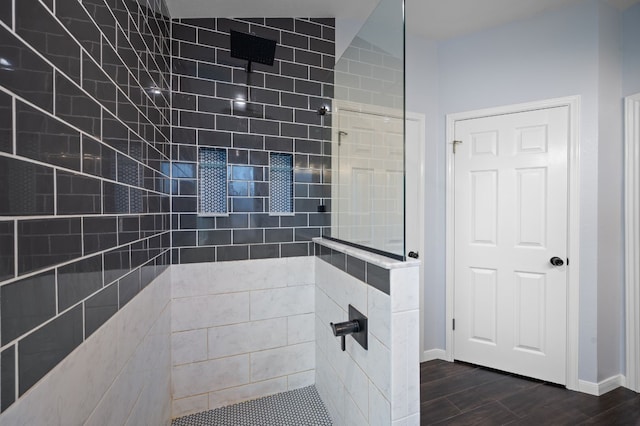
<point>300,407</point>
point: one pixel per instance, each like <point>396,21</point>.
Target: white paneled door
<point>510,200</point>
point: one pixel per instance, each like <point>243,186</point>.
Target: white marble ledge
<point>376,259</point>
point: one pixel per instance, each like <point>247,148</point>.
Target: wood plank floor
<point>464,394</point>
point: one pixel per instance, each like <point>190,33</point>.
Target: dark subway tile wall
<point>85,121</point>
<point>273,109</point>
<point>373,275</point>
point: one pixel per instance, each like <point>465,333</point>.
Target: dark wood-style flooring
<point>464,394</point>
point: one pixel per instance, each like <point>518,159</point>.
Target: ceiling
<point>436,19</point>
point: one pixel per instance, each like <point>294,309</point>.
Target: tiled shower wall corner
<point>275,112</point>
<point>241,330</point>
<point>84,165</point>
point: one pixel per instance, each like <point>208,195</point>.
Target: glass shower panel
<point>368,135</point>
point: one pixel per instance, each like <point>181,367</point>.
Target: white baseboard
<point>602,387</point>
<point>432,354</point>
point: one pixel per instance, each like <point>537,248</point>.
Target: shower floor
<point>297,407</point>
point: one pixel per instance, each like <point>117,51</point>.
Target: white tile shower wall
<point>119,376</point>
<point>241,330</point>
<point>378,386</point>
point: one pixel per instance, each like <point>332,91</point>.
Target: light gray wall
<point>549,56</point>
<point>610,196</point>
<point>631,51</point>
<point>422,97</point>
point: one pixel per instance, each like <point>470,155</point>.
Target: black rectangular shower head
<point>252,48</point>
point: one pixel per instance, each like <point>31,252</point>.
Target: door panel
<point>510,219</point>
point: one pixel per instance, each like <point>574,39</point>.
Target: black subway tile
<point>43,138</point>
<point>306,234</point>
<point>281,23</point>
<point>117,262</point>
<point>26,304</point>
<point>265,127</point>
<point>197,255</point>
<point>7,255</point>
<point>294,130</point>
<point>308,58</point>
<point>258,189</point>
<point>278,144</point>
<point>98,159</point>
<point>78,280</point>
<point>291,69</point>
<point>294,249</point>
<point>356,268</point>
<point>42,350</point>
<point>43,243</point>
<point>99,233</point>
<point>6,123</point>
<point>115,198</point>
<point>219,237</point>
<point>227,253</point>
<point>78,194</point>
<point>307,146</point>
<point>308,28</point>
<point>248,141</point>
<point>76,107</point>
<point>26,74</point>
<point>233,221</point>
<point>278,113</point>
<point>115,134</point>
<point>264,220</point>
<point>295,40</point>
<point>278,235</point>
<point>183,238</point>
<point>338,259</point>
<point>80,25</point>
<point>128,229</point>
<point>379,278</point>
<point>98,85</point>
<point>100,12</point>
<point>27,188</point>
<point>7,377</point>
<point>99,308</point>
<point>249,173</point>
<point>38,28</point>
<point>6,16</point>
<point>128,287</point>
<point>264,251</point>
<point>308,87</point>
<point>232,124</point>
<point>295,100</point>
<point>248,236</point>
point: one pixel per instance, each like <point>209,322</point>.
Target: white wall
<point>631,51</point>
<point>119,376</point>
<point>241,330</point>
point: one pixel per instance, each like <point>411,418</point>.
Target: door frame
<point>573,243</point>
<point>632,240</point>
